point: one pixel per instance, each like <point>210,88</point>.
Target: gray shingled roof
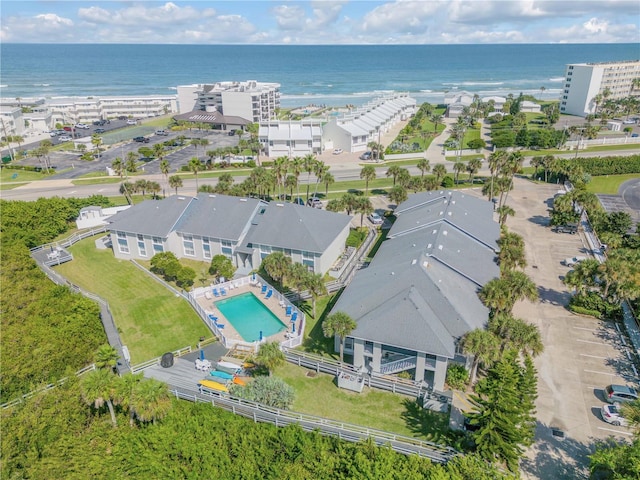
<point>151,217</point>
<point>287,225</point>
<point>218,216</point>
<point>420,291</point>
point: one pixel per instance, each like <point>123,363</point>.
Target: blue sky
<point>321,21</point>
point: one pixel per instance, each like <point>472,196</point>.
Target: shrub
<point>447,182</point>
<point>356,237</point>
<point>585,311</point>
<point>457,376</point>
<point>272,391</point>
<point>593,302</point>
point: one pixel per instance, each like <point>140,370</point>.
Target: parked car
<point>299,201</point>
<point>620,393</point>
<point>611,414</point>
<point>376,219</point>
<point>337,151</point>
<point>99,123</point>
<point>366,156</point>
<point>571,228</point>
<point>99,130</point>
<point>64,138</point>
<point>53,133</point>
<point>570,262</point>
<point>314,202</point>
<point>231,133</point>
<point>141,139</point>
<point>68,129</point>
<point>132,122</point>
<point>162,133</point>
<point>82,126</point>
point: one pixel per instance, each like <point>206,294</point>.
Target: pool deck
<point>273,304</point>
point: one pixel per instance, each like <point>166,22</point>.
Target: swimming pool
<point>249,316</point>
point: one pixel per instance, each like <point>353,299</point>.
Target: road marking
<point>601,373</point>
<point>101,190</point>
<point>593,356</point>
<point>585,328</point>
<point>615,431</point>
<point>594,343</point>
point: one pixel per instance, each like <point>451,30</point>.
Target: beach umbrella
<point>293,325</point>
<point>201,354</point>
<point>253,277</point>
<point>260,335</point>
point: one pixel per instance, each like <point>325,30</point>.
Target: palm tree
<point>118,166</point>
<point>280,167</point>
<point>496,161</point>
<point>505,211</point>
<point>297,166</point>
<point>393,171</point>
<point>423,166</point>
<point>131,165</point>
<point>164,169</point>
<point>106,357</point>
<point>473,166</point>
<point>363,207</point>
<point>270,356</point>
<point>141,186</point>
<point>439,171</point>
<point>125,393</point>
<point>483,345</point>
<point>339,324</point>
<point>277,264</point>
<point>175,181</point>
<point>309,165</point>
<point>368,173</point>
<point>195,166</point>
<point>290,183</point>
<point>517,334</point>
<point>512,253</point>
<point>316,288</point>
<point>436,119</point>
<point>327,179</point>
<point>151,400</point>
<point>320,169</point>
<point>98,387</point>
<point>154,188</point>
<point>96,141</point>
<point>459,167</point>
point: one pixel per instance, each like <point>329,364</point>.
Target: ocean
<point>321,75</point>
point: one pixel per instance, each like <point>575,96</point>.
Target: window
<point>157,245</point>
<point>308,260</point>
<point>368,347</point>
<point>187,244</point>
<point>206,248</point>
<point>123,244</point>
<point>227,247</point>
<point>142,249</point>
<point>264,251</point>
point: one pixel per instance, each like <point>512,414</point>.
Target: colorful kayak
<point>235,361</point>
<point>239,381</point>
<point>225,375</point>
<point>229,365</point>
<point>248,365</point>
<point>211,385</point>
<point>232,371</point>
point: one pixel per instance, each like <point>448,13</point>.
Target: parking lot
<point>582,355</point>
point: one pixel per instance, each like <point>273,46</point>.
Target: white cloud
<point>49,26</point>
<point>326,12</point>
<point>140,14</point>
<point>289,17</point>
<point>401,16</point>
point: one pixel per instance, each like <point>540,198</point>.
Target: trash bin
<point>167,360</point>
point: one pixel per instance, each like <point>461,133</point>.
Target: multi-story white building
<point>11,121</point>
<point>291,138</point>
<point>584,81</point>
<point>254,101</point>
<point>89,109</point>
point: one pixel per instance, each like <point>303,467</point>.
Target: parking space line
<point>615,431</point>
<point>594,343</point>
<point>585,328</point>
<point>601,373</point>
<point>593,356</point>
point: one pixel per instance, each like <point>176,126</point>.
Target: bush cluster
<point>167,265</point>
<point>593,302</point>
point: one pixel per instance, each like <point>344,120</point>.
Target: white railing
<point>70,240</point>
<point>155,361</point>
<point>398,365</point>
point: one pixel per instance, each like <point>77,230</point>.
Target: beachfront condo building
<point>419,295</point>
<point>586,83</point>
<point>11,121</point>
<point>291,138</point>
<point>251,100</point>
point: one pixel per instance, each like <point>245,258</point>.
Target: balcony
<point>399,365</point>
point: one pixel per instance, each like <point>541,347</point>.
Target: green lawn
<point>608,184</point>
<point>97,180</point>
<point>151,320</point>
<point>6,175</point>
<point>319,395</point>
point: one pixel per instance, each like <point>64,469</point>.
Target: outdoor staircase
<point>398,365</point>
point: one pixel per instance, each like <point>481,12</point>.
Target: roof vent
<point>393,273</point>
<point>429,246</point>
<point>212,196</point>
<point>444,232</point>
<point>441,212</point>
<point>414,261</point>
<point>243,199</point>
<point>433,232</point>
<point>439,247</point>
<point>425,264</point>
<point>413,244</point>
<point>279,204</point>
<point>453,202</point>
<point>449,213</point>
<point>180,198</point>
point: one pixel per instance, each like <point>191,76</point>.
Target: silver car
<point>611,414</point>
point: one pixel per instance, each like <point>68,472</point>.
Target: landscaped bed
<point>151,319</point>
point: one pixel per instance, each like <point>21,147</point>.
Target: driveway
<point>582,355</point>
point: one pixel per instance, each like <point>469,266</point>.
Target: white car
<point>64,138</point>
<point>337,151</point>
<point>376,219</point>
<point>132,122</point>
<point>611,414</point>
<point>570,262</point>
<point>83,126</point>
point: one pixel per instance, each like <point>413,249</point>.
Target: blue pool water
<point>249,316</point>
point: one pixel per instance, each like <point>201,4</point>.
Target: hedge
<point>617,165</point>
